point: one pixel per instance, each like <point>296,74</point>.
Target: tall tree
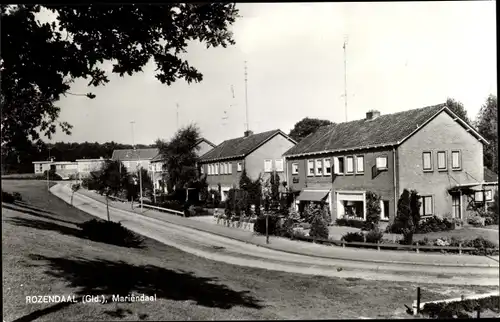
<point>111,180</point>
<point>180,157</point>
<point>40,60</point>
<point>307,126</point>
<point>487,125</point>
<point>458,108</point>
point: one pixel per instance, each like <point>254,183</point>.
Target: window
<point>239,167</point>
<point>201,170</point>
<point>427,207</point>
<point>63,166</point>
<point>456,161</point>
<point>40,168</point>
<point>268,165</point>
<point>310,167</point>
<point>295,168</point>
<point>319,167</point>
<point>488,195</point>
<point>327,167</point>
<point>216,168</point>
<point>384,209</point>
<point>230,168</point>
<point>338,165</point>
<point>360,164</point>
<point>442,160</point>
<point>279,165</point>
<point>478,196</point>
<point>427,161</point>
<point>210,171</point>
<point>350,164</point>
<point>381,162</point>
<point>226,168</point>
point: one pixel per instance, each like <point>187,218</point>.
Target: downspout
<point>394,182</point>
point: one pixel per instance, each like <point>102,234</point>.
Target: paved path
<point>176,231</point>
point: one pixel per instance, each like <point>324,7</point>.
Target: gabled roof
<point>385,130</point>
<point>131,155</point>
<point>242,146</point>
<point>159,157</point>
<point>490,176</point>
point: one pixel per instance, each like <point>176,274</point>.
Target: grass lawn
<point>44,255</point>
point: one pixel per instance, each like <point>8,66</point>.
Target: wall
<point>272,149</point>
<point>204,148</point>
<point>36,167</point>
<point>225,180</point>
<point>441,134</point>
<point>381,184</point>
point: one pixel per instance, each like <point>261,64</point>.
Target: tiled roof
<point>240,146</point>
<point>130,155</point>
<point>490,176</point>
<point>384,130</point>
<point>159,157</point>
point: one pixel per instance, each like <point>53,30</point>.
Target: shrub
<point>493,209</point>
<point>476,221</point>
<point>350,223</point>
<point>53,176</point>
<point>408,215</point>
<point>319,228</point>
<point>374,236</point>
<point>488,221</point>
<point>172,204</point>
<point>7,197</point>
<point>111,233</point>
<point>456,309</point>
<point>353,237</point>
<point>260,225</point>
<point>304,225</point>
<point>372,210</point>
<point>435,224</point>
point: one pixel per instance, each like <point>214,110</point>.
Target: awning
<point>313,195</point>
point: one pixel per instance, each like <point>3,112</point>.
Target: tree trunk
<point>72,194</point>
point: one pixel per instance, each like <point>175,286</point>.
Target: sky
<point>400,56</point>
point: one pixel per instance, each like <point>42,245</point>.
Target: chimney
<point>248,133</point>
<point>372,114</point>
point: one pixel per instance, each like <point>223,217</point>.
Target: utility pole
<point>246,96</point>
<point>138,164</point>
<point>346,39</point>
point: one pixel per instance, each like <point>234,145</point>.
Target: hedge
<point>456,309</point>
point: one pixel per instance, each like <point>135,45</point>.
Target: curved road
<point>240,253</point>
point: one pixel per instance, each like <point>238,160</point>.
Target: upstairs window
<point>295,168</point>
<point>310,167</point>
<point>327,167</point>
<point>279,165</point>
<point>268,165</point>
<point>319,167</point>
<point>441,158</point>
<point>456,161</point>
<point>381,162</point>
<point>360,164</point>
<point>230,168</point>
<point>217,166</point>
<point>338,165</point>
<point>350,164</point>
<point>427,161</point>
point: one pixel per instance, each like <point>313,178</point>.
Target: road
<point>234,252</point>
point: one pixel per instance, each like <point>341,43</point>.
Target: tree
<point>133,185</point>
<point>373,210</point>
<point>457,108</point>
<point>487,125</point>
<point>74,188</point>
<point>111,180</point>
<point>307,126</point>
<point>40,60</point>
<point>180,156</point>
<point>408,215</point>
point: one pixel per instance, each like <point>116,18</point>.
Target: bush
<point>373,210</point>
<point>260,225</point>
<point>350,223</point>
<point>53,176</point>
<point>172,204</point>
<point>488,221</point>
<point>319,228</point>
<point>476,221</point>
<point>374,236</point>
<point>7,197</point>
<point>353,237</point>
<point>111,233</point>
<point>304,225</point>
<point>435,224</point>
<point>456,309</point>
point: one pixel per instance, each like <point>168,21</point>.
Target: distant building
<point>259,154</point>
<point>86,166</point>
<point>65,169</point>
<point>133,159</point>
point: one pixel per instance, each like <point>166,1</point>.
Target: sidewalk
<point>309,249</point>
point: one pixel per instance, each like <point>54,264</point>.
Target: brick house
<point>429,149</point>
<point>156,167</point>
<point>133,159</point>
<point>258,154</point>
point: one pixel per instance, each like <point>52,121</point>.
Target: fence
<point>379,246</point>
<point>150,206</point>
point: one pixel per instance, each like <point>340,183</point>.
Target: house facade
<point>259,154</point>
<point>134,159</point>
<point>429,149</point>
<point>86,166</point>
<point>65,169</point>
<point>156,167</point>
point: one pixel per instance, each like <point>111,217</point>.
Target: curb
<point>312,255</point>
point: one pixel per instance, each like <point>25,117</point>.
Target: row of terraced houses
<point>430,150</point>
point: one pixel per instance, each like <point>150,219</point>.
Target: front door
<point>456,206</point>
